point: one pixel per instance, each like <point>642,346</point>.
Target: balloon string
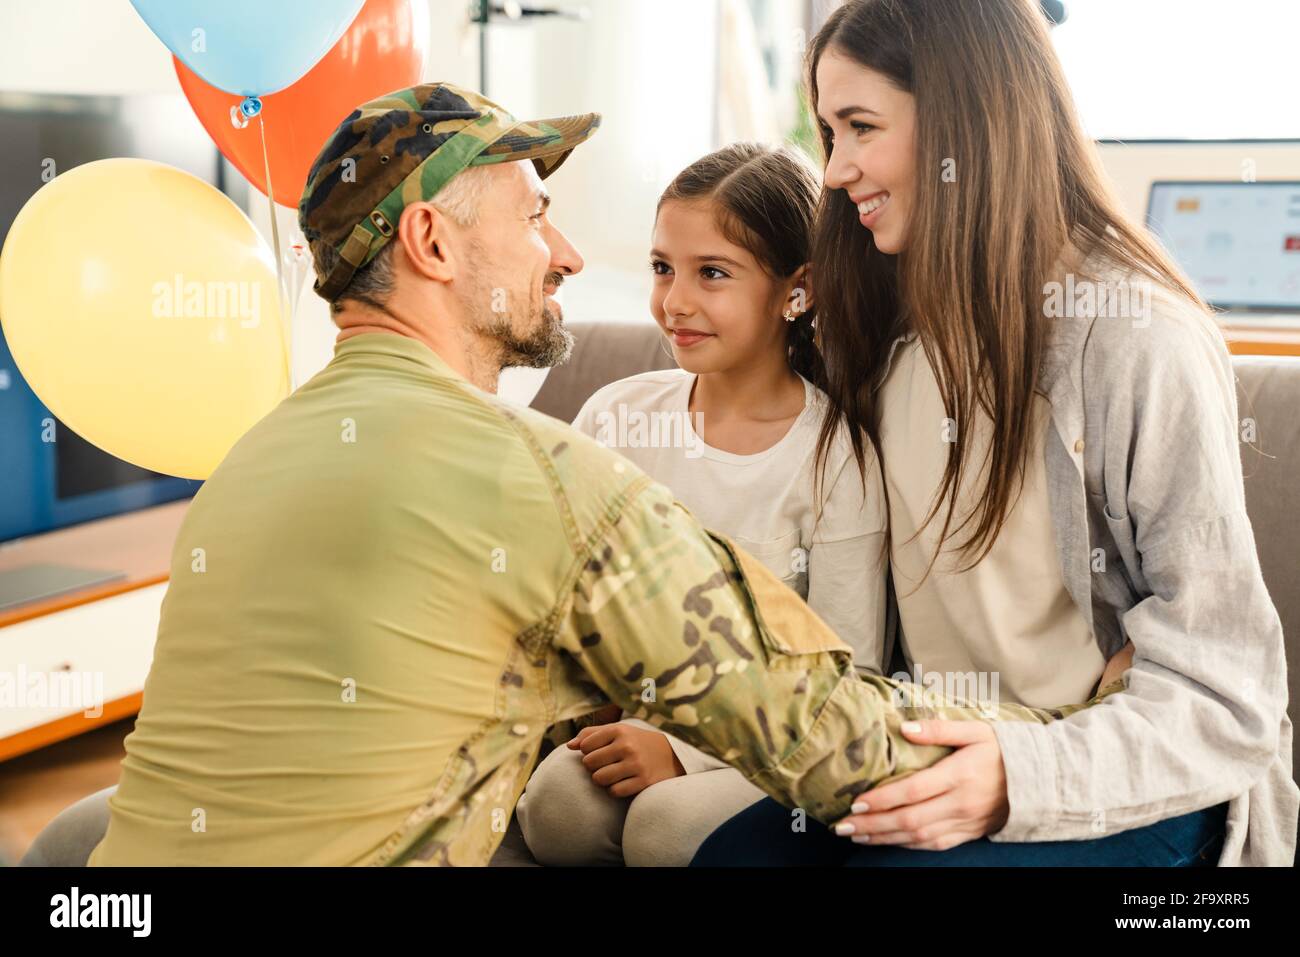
<point>286,316</point>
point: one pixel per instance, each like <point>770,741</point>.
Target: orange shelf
<point>1262,341</point>
<point>69,727</point>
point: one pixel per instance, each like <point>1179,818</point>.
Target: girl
<point>732,433</point>
<point>1057,479</point>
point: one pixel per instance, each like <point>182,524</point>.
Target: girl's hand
<point>625,759</point>
<point>960,798</point>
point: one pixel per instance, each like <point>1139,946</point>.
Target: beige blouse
<point>1006,628</point>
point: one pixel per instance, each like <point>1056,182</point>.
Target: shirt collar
<point>893,350</point>
<point>398,346</point>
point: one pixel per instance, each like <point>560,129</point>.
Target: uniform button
<point>619,468</point>
<point>519,730</point>
<point>1078,446</point>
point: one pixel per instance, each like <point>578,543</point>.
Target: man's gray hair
<point>372,284</point>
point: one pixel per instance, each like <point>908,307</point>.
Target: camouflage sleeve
<point>688,632</point>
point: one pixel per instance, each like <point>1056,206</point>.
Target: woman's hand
<point>960,798</point>
<point>625,759</point>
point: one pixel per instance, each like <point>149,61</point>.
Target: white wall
<point>1162,69</point>
<point>81,46</point>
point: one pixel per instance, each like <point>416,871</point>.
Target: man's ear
<point>426,237</point>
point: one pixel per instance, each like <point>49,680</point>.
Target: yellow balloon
<point>140,304</point>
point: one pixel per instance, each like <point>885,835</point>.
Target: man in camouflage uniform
<point>396,583</point>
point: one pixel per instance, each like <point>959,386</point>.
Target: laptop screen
<point>1239,242</point>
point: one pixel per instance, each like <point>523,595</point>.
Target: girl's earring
<point>789,313</point>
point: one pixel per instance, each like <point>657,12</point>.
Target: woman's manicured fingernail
<point>861,839</point>
<point>844,828</point>
<point>860,808</point>
<point>911,727</point>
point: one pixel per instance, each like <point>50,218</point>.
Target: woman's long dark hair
<point>993,107</point>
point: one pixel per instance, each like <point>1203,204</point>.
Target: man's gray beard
<point>548,345</point>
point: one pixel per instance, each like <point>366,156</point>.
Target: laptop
<point>1238,241</point>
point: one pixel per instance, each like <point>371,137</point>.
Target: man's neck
<point>461,351</point>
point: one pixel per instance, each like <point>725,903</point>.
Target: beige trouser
<point>568,820</point>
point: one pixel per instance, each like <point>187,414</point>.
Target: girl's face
<point>873,151</point>
<point>716,304</point>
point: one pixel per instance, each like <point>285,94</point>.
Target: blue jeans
<point>761,836</point>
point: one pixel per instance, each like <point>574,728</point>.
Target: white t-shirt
<point>764,502</point>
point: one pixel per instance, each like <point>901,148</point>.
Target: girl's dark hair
<point>766,198</point>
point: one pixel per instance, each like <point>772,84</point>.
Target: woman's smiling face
<point>873,152</point>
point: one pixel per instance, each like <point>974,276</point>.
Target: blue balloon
<point>249,47</point>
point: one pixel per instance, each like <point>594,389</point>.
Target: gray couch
<point>1268,393</point>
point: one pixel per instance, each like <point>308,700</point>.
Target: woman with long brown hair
<point>1053,411</point>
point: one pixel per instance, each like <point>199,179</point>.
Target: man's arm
<point>687,632</point>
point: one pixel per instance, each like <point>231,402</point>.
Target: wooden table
<point>108,628</point>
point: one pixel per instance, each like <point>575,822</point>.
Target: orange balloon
<point>382,51</point>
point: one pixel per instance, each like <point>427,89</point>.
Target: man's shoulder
<point>590,480</point>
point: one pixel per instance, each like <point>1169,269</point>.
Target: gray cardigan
<point>1149,515</point>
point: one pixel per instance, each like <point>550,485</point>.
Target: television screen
<point>1239,241</point>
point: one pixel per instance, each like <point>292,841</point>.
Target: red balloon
<point>381,52</point>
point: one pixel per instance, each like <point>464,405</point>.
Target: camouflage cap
<point>403,148</point>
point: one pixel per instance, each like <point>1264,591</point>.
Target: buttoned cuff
<point>1033,781</point>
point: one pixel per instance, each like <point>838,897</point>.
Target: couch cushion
<point>1268,396</point>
